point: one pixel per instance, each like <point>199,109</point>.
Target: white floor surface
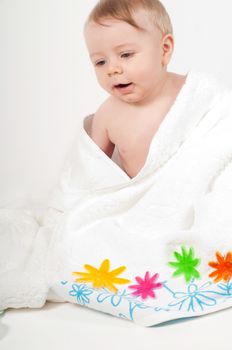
<point>62,326</point>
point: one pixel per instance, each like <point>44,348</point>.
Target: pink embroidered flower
<point>145,288</point>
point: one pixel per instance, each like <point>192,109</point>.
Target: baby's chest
<point>129,137</point>
<point>133,148</point>
<point>132,145</point>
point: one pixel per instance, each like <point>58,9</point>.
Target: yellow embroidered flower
<point>102,277</point>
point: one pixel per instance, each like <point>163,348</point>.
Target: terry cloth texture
<point>149,249</point>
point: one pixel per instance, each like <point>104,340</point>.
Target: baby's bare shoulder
<point>109,105</point>
<point>100,128</point>
<point>107,111</point>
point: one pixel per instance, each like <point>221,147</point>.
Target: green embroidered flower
<point>186,264</point>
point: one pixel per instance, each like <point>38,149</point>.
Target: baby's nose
<point>114,69</point>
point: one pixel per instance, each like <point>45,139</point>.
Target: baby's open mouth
<point>122,85</point>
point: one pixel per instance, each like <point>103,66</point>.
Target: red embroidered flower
<point>145,288</point>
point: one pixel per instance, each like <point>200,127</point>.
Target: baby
<point>130,44</point>
<point>163,230</point>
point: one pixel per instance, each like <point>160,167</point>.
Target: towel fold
<point>149,249</point>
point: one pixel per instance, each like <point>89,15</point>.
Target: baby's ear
<point>167,47</point>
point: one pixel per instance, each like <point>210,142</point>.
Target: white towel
<point>148,249</point>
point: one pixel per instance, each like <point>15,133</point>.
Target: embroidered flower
<point>102,277</point>
<point>225,289</point>
<point>196,298</point>
<point>145,288</point>
<point>130,303</point>
<point>223,267</point>
<point>186,264</point>
<point>81,293</point>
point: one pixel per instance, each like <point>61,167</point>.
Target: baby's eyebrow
<point>125,44</point>
<point>116,47</point>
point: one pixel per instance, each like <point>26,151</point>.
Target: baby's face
<point>129,63</point>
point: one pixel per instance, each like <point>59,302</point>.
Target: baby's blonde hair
<point>124,9</point>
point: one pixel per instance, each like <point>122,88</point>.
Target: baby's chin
<point>129,99</point>
<point>133,99</point>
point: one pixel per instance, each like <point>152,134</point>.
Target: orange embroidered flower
<point>223,267</point>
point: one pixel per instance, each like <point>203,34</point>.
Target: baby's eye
<point>126,54</point>
<point>100,63</point>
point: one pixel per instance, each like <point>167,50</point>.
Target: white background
<point>47,84</point>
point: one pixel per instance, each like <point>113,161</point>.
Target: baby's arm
<point>99,131</point>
